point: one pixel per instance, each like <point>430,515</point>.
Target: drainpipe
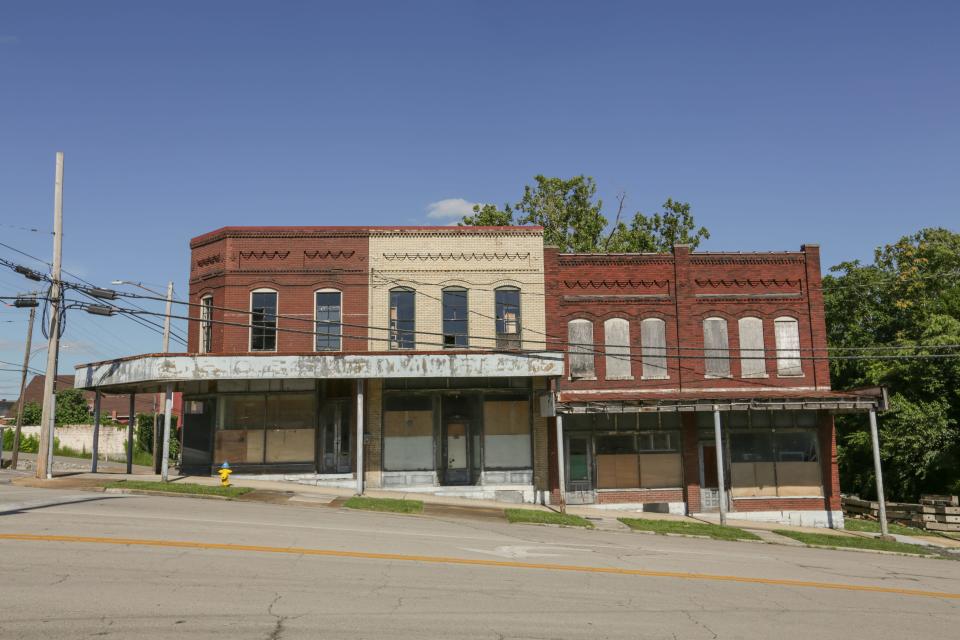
<point>720,481</point>
<point>359,439</point>
<point>561,462</point>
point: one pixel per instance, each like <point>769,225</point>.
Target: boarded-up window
<point>617,463</point>
<point>581,348</point>
<point>774,463</point>
<point>716,349</point>
<point>788,347</point>
<point>616,337</point>
<point>408,433</point>
<point>752,364</point>
<point>653,344</point>
<point>506,433</point>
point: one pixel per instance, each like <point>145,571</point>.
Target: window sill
<point>639,489</point>
<point>777,497</point>
<point>655,377</point>
<point>711,376</point>
<point>572,379</point>
<point>791,375</point>
<point>756,376</point>
<point>619,378</point>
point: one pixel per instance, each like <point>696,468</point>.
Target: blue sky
<point>832,123</point>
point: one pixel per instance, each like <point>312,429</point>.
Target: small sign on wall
<point>548,405</point>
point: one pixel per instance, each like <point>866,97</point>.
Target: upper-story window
<point>454,317</point>
<point>508,317</point>
<point>653,345</point>
<point>328,310</point>
<point>581,349</point>
<point>263,320</point>
<point>616,338</point>
<point>752,363</point>
<point>206,324</point>
<point>788,346</point>
<point>402,319</point>
<point>716,348</point>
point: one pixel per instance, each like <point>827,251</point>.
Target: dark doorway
<point>199,417</point>
<point>335,438</point>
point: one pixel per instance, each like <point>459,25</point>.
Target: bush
<point>28,444</point>
<point>144,434</point>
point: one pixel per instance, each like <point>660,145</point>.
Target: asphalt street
<point>83,564</point>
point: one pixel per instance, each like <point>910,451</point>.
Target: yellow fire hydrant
<point>225,472</point>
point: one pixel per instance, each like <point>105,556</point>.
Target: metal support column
<point>131,424</point>
<point>359,439</point>
<point>167,410</point>
<point>561,464</point>
<point>721,485</point>
<point>96,432</point>
<point>875,440</point>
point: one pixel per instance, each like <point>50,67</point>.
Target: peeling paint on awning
<point>157,369</point>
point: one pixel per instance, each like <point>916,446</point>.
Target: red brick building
<point>660,345</point>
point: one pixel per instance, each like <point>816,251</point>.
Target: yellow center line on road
<point>366,555</point>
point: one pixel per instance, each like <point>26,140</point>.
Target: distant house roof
<point>108,403</point>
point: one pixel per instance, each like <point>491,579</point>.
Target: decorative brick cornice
<point>615,284</point>
<point>748,283</point>
<point>423,257</point>
<point>611,259</point>
<point>264,255</point>
<point>333,255</point>
<point>746,259</point>
<point>209,260</point>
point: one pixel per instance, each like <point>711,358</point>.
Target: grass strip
<point>853,542</point>
<point>531,516</point>
<point>390,505</point>
<point>179,487</point>
<point>663,527</point>
<point>870,526</point>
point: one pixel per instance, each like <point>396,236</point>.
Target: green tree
<point>72,407</point>
<point>32,413</point>
<point>572,218</point>
<point>909,296</point>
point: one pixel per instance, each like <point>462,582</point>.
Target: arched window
<point>616,339</point>
<point>581,348</point>
<point>454,317</point>
<point>206,324</point>
<point>508,317</point>
<point>716,348</point>
<point>263,320</point>
<point>653,346</point>
<point>402,319</point>
<point>752,363</point>
<point>787,332</point>
<point>328,312</point>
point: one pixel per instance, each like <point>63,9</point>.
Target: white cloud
<point>449,209</point>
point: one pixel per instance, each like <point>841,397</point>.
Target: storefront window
<point>239,438</point>
<point>775,461</point>
<point>408,433</point>
<point>291,427</point>
<point>506,433</point>
<point>617,463</point>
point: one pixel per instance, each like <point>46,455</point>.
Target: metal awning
<point>837,404</point>
<point>151,372</point>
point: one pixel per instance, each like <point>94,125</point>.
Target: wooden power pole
<point>23,387</point>
<point>44,455</point>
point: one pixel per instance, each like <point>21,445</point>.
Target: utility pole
<point>168,399</point>
<point>45,465</point>
<point>23,387</point>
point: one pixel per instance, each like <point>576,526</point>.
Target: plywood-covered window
<point>752,363</point>
<point>653,348</point>
<point>716,348</point>
<point>788,346</point>
<point>581,348</point>
<point>506,433</point>
<point>616,339</point>
<point>408,433</point>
